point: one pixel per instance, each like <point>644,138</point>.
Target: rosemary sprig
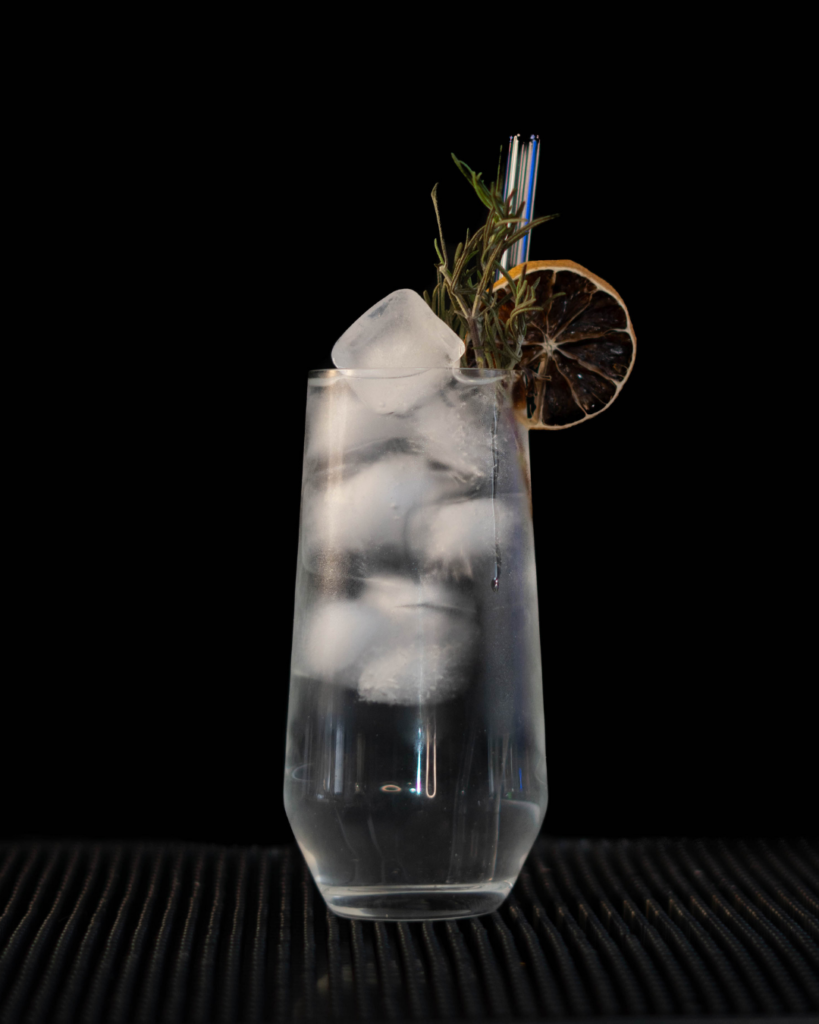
<point>463,296</point>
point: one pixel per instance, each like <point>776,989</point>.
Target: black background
<point>195,265</point>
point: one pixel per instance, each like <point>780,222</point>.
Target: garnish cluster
<point>463,296</point>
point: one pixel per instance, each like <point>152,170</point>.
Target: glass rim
<point>407,371</point>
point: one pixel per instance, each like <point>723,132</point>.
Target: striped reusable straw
<point>522,165</point>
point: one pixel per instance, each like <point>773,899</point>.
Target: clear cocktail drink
<point>415,777</point>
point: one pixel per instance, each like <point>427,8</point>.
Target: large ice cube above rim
<point>399,331</point>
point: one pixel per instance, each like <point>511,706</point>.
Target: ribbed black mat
<point>200,933</point>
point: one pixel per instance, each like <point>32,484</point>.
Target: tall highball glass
<point>415,774</point>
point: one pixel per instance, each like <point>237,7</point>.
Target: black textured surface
<point>594,929</point>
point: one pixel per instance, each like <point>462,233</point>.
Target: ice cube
<point>395,392</point>
<point>460,537</point>
<point>341,428</point>
<point>399,331</point>
<point>413,673</point>
<point>424,650</point>
<point>454,433</point>
<point>366,511</point>
<point>337,633</point>
<point>401,642</point>
<point>393,595</point>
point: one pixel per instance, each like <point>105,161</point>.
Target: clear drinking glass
<point>415,775</point>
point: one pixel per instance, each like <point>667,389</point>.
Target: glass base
<point>414,902</point>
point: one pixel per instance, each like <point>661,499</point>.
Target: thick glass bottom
<point>415,902</point>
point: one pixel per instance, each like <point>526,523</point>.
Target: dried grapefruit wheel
<point>578,352</point>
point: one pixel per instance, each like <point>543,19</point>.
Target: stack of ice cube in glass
<point>398,508</point>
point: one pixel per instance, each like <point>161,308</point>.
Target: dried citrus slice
<point>578,353</point>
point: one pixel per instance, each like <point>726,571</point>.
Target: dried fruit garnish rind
<point>578,353</point>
